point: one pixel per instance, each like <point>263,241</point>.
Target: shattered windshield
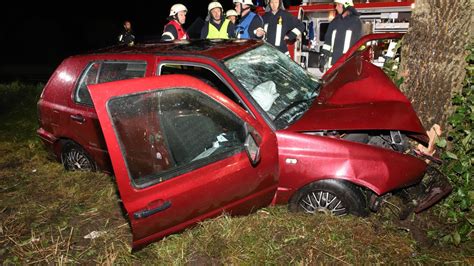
<point>283,89</point>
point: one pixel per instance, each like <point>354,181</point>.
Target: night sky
<point>36,37</point>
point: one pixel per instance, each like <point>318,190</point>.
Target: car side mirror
<point>251,146</point>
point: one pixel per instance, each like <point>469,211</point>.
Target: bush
<point>18,94</point>
<point>459,159</point>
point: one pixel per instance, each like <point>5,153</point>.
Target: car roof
<point>218,49</point>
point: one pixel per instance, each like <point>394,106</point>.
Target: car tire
<point>75,158</point>
<point>329,196</point>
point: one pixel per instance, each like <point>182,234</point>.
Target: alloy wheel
<point>322,201</point>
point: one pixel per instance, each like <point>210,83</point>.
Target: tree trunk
<point>433,57</point>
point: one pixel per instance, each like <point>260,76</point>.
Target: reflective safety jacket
<point>126,37</point>
<point>174,31</point>
<point>279,25</point>
<point>224,30</point>
<point>247,26</point>
<point>342,33</point>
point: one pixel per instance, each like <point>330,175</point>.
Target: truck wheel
<point>329,196</point>
<point>74,158</point>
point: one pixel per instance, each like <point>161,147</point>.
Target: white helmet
<point>244,2</point>
<point>231,12</point>
<point>213,5</point>
<point>345,3</point>
<point>177,8</point>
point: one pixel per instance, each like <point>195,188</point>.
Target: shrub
<point>18,94</point>
<point>458,157</point>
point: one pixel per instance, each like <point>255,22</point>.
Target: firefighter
<point>231,15</point>
<point>174,29</point>
<point>218,27</point>
<point>127,37</point>
<point>250,25</point>
<point>343,31</point>
<point>280,25</point>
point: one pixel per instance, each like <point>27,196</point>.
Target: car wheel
<point>74,158</point>
<point>329,196</point>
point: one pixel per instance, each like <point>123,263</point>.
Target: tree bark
<point>433,57</point>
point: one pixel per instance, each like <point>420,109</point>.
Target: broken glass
<point>282,88</point>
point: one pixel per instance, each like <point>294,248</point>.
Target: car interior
<point>203,74</point>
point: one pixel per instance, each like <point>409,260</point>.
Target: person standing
<point>217,27</point>
<point>343,32</point>
<point>232,16</point>
<point>250,25</point>
<point>127,37</point>
<point>280,25</point>
<point>174,29</point>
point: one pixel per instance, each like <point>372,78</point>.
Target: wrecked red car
<point>232,126</point>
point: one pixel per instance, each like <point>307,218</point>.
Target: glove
<point>322,62</point>
<point>323,58</point>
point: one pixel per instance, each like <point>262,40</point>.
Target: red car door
<point>178,153</point>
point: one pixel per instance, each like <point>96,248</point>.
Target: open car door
<point>182,152</point>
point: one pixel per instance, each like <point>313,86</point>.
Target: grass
<point>45,213</point>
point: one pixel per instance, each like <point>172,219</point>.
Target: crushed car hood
<point>364,101</point>
<point>355,117</point>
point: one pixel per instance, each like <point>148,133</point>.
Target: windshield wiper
<point>289,107</point>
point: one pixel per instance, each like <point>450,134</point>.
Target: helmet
<point>213,5</point>
<point>345,3</point>
<point>177,8</point>
<point>231,12</point>
<point>244,2</point>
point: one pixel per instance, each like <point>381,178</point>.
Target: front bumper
<point>437,186</point>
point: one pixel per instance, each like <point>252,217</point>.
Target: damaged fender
<point>378,169</point>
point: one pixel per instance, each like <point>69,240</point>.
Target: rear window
<point>100,72</point>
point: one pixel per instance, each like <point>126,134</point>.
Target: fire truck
<point>380,16</point>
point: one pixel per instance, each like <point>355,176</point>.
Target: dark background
<point>37,36</point>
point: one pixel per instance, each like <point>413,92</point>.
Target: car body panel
<point>231,185</point>
<point>368,101</point>
<point>358,117</point>
<point>318,157</point>
<point>77,122</point>
<point>218,49</point>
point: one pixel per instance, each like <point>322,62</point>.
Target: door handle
<point>78,118</point>
<point>146,213</point>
